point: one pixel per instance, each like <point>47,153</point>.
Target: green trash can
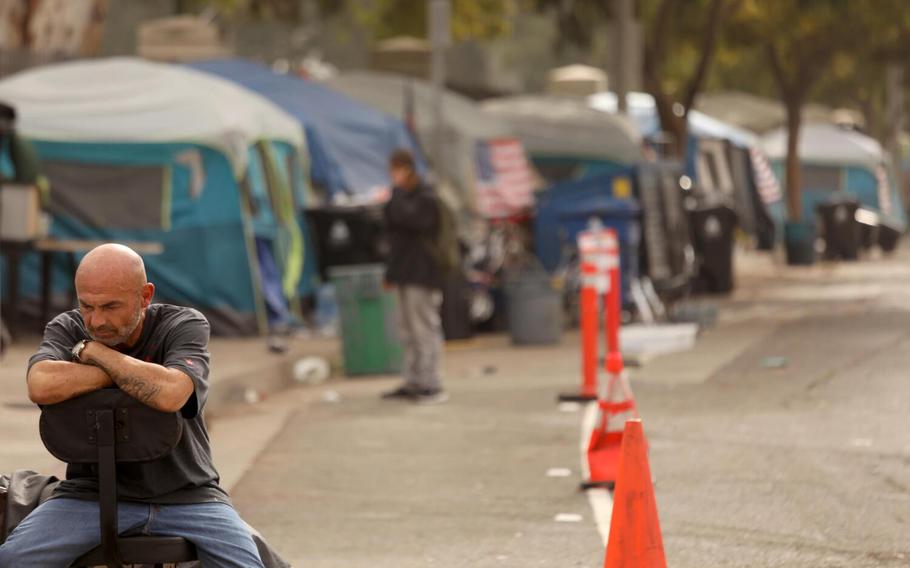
<point>369,332</point>
<point>799,240</point>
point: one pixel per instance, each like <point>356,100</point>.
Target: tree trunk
<point>794,190</point>
<point>672,124</point>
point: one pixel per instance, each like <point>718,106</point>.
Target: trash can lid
<point>599,206</point>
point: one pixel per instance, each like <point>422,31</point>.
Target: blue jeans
<point>61,530</point>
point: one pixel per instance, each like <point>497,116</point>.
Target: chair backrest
<point>105,427</point>
<point>69,429</point>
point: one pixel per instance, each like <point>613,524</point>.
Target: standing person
<point>412,218</point>
<point>158,354</point>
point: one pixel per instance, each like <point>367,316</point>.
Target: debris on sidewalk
<point>481,371</point>
<point>311,371</point>
<point>331,396</point>
<point>775,362</point>
<point>700,312</point>
<point>637,340</point>
<point>559,472</point>
<point>252,396</point>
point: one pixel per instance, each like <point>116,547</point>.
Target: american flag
<point>505,183</point>
<point>765,180</point>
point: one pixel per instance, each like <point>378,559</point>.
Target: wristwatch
<point>77,349</point>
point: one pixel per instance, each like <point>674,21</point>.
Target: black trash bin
<point>712,235</point>
<point>868,222</point>
<point>346,236</point>
<point>456,307</point>
<point>840,230</point>
<point>888,237</point>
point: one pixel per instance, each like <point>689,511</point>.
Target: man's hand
<point>161,388</point>
<point>50,382</point>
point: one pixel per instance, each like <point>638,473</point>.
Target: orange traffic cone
<point>606,439</point>
<point>635,540</point>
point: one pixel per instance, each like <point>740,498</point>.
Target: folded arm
<point>160,387</point>
<point>50,382</point>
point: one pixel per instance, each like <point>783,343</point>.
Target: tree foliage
<point>829,50</point>
<point>576,20</point>
<point>475,19</point>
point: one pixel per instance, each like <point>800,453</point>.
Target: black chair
<point>106,427</point>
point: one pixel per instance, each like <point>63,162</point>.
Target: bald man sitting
<point>158,354</point>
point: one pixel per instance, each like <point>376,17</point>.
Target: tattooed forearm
<point>166,390</point>
<point>143,391</point>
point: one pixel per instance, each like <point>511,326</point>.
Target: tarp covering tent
<point>718,154</point>
<point>143,151</point>
<point>643,111</point>
<point>762,115</point>
<point>483,160</point>
<point>836,161</point>
<point>562,132</point>
<point>348,142</point>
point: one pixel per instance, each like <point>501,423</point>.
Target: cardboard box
<point>20,213</point>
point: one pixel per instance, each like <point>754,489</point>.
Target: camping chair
<point>106,427</point>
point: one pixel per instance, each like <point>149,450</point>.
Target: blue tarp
<point>349,143</point>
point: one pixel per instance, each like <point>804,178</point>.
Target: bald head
<point>113,293</point>
<point>111,265</point>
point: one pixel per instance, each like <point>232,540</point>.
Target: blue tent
<point>837,162</point>
<point>349,143</point>
<point>708,160</point>
<point>137,151</point>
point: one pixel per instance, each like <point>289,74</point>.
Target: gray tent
<point>564,126</point>
<point>467,132</point>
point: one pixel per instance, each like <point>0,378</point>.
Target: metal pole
<point>895,105</point>
<point>623,46</point>
<point>439,16</point>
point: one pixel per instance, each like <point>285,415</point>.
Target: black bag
<point>20,494</point>
<point>444,247</point>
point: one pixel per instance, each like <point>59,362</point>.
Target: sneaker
<point>431,396</point>
<point>401,393</point>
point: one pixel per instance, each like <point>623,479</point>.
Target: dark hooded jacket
<point>412,223</point>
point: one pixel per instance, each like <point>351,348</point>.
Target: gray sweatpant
<point>420,328</point>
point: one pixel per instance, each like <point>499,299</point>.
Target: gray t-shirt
<point>177,338</point>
